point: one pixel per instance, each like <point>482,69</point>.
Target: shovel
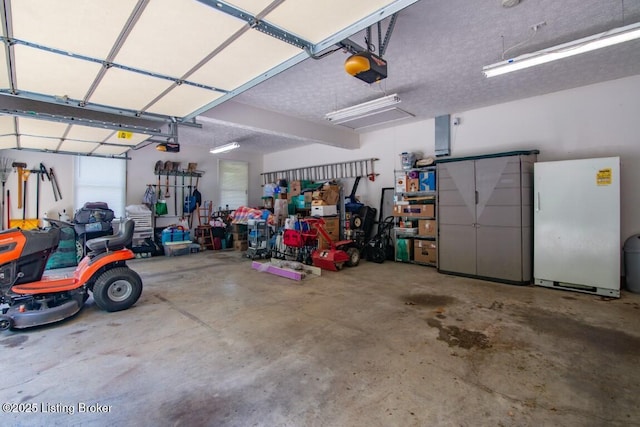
<point>25,177</point>
<point>167,194</point>
<point>167,168</point>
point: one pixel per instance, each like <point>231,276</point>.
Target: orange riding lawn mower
<point>29,297</point>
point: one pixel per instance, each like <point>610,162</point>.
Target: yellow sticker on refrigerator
<point>604,177</point>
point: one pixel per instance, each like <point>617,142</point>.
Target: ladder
<point>350,169</point>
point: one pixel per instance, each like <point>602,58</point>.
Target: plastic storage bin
<point>177,248</point>
<point>175,234</point>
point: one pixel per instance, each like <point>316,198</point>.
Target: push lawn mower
<point>380,247</point>
<point>29,298</point>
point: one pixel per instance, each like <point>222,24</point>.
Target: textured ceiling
<point>436,54</point>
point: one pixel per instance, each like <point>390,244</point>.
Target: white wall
<point>140,171</point>
<point>592,121</point>
<point>384,145</point>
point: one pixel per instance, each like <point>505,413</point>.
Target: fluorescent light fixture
<point>576,47</point>
<point>225,148</point>
<point>363,110</point>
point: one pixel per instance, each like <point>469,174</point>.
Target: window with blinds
<point>99,179</point>
<point>234,183</point>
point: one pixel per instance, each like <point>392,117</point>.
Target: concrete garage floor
<point>213,342</point>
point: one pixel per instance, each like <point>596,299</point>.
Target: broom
<point>5,168</point>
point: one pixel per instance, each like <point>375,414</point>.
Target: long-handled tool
<point>182,196</point>
<point>8,209</point>
<point>25,177</point>
<point>5,168</point>
<point>167,194</point>
<point>167,168</point>
<point>38,195</point>
<point>54,183</point>
<point>42,173</point>
<point>175,192</point>
<point>20,167</point>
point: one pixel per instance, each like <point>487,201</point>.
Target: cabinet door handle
<point>538,201</point>
<point>477,197</point>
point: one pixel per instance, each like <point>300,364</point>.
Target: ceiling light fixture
<point>225,148</point>
<point>363,110</point>
<point>576,47</point>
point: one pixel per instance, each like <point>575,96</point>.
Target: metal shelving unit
<point>413,205</point>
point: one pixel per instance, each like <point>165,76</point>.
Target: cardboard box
<point>240,245</point>
<point>326,210</point>
<point>318,203</point>
<point>331,194</point>
<point>425,251</point>
<point>401,182</point>
<point>413,185</point>
<point>427,227</point>
<point>414,210</point>
<point>427,181</point>
<point>238,237</point>
<point>295,188</point>
<point>332,226</point>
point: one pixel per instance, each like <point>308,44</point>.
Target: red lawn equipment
<point>339,253</point>
<point>300,243</point>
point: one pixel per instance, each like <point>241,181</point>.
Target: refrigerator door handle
<point>538,201</point>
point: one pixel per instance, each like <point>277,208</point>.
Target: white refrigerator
<point>577,225</point>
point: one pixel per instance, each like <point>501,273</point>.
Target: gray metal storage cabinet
<point>485,216</point>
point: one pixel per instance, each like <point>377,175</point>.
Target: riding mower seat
<point>115,242</point>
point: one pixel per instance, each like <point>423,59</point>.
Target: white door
<point>577,222</point>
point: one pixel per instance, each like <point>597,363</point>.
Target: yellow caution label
<point>125,135</point>
<point>604,177</point>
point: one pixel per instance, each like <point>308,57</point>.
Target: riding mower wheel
<point>117,289</point>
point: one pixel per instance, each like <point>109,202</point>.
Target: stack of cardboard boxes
<point>424,249</point>
<point>239,235</point>
<point>324,200</point>
<point>324,204</point>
